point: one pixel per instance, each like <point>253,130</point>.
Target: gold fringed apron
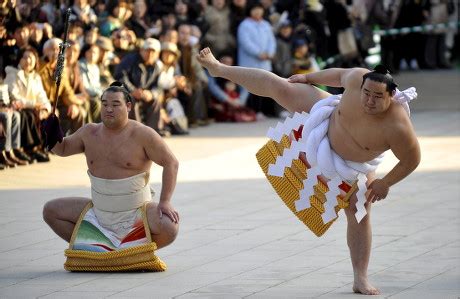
<point>289,186</point>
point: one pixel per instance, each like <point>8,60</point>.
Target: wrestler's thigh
<point>300,97</point>
<point>65,208</point>
<point>164,230</point>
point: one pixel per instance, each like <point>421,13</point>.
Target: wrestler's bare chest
<point>354,135</point>
<point>114,157</point>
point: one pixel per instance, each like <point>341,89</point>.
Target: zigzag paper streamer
<point>308,189</point>
<point>285,160</point>
<point>361,195</point>
<point>286,127</point>
<point>331,200</point>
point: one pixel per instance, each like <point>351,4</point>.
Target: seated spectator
<point>169,36</point>
<point>91,36</point>
<point>91,79</point>
<point>10,51</point>
<point>70,108</point>
<point>124,41</point>
<point>29,99</point>
<point>73,73</point>
<point>120,11</point>
<point>76,33</point>
<point>139,22</point>
<point>303,62</point>
<point>107,61</point>
<point>226,104</point>
<point>83,13</point>
<point>139,71</point>
<point>195,103</point>
<point>181,11</point>
<point>11,130</point>
<point>39,34</point>
<point>169,82</point>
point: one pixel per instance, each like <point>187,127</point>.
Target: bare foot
<point>364,287</point>
<point>207,60</point>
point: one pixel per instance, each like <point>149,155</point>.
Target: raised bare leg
<point>359,239</point>
<point>62,214</point>
<point>292,96</point>
<point>164,230</point>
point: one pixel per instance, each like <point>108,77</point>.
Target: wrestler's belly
<point>345,145</point>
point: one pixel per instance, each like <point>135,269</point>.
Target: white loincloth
<point>115,202</point>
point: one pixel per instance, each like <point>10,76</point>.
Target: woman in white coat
<point>29,98</point>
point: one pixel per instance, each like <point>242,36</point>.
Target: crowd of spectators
<point>151,46</point>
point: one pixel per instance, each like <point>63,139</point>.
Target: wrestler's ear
<point>129,106</point>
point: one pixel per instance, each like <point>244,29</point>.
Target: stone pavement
<point>237,238</point>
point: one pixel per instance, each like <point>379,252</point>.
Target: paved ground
<point>237,239</point>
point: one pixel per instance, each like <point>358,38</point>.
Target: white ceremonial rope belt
<point>324,160</point>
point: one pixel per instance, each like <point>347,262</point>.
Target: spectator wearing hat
<point>107,60</point>
<point>170,73</point>
<point>139,71</point>
<point>170,80</point>
<point>304,62</point>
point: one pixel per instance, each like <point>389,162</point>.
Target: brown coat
<point>66,94</point>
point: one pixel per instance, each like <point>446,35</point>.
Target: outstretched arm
<point>334,77</point>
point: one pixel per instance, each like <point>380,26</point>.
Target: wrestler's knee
<point>164,230</point>
<point>50,210</point>
<point>168,232</point>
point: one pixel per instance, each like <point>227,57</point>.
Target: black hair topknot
<point>117,86</point>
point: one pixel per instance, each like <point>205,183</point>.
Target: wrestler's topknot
<point>381,74</point>
<point>117,86</point>
<point>381,69</point>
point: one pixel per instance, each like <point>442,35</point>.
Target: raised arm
<point>158,151</point>
<point>334,77</point>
